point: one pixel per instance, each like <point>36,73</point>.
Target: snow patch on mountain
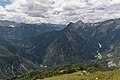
<point>11,26</point>
<point>100,46</point>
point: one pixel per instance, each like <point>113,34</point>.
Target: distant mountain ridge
<point>18,33</point>
<point>78,42</point>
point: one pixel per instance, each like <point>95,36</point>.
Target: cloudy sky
<point>58,11</point>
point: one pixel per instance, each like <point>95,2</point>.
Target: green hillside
<point>11,63</point>
<point>107,75</point>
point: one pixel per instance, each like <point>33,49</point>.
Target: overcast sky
<point>59,11</point>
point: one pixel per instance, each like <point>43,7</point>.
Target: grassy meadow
<point>100,75</point>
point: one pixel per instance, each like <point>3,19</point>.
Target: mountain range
<point>77,43</point>
<point>19,33</point>
<point>31,45</point>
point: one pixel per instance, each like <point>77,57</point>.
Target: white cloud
<point>59,11</point>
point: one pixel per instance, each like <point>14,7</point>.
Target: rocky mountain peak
<point>75,26</point>
<point>80,22</point>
